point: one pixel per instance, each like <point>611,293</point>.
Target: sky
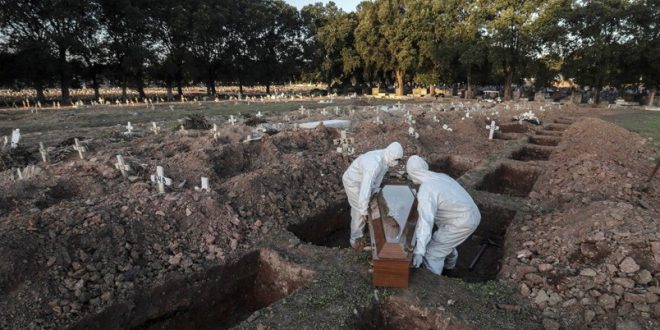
<point>346,5</point>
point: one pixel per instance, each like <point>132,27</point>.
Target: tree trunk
<point>468,92</point>
<point>240,88</point>
<point>508,80</point>
<point>39,87</point>
<point>95,85</point>
<point>267,88</point>
<point>213,91</point>
<point>652,93</point>
<point>64,79</point>
<point>596,95</point>
<point>399,81</point>
<point>124,84</point>
<point>168,82</point>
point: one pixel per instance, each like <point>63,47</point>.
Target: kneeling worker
<point>440,200</point>
<point>363,178</point>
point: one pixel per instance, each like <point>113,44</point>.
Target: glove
<point>417,260</point>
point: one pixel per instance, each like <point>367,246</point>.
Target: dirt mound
<point>196,121</point>
<point>593,253</point>
<point>19,157</point>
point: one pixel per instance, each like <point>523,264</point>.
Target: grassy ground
<point>105,116</point>
<point>646,123</point>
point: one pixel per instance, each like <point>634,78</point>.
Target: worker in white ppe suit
<point>362,179</point>
<point>443,202</point>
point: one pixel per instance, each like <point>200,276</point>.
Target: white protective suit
<point>440,200</point>
<point>362,178</point>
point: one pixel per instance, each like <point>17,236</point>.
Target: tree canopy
<point>174,43</point>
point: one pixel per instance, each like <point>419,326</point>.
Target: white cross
<point>344,144</point>
<point>409,119</point>
<point>160,179</point>
<point>155,128</point>
<point>413,133</point>
<point>286,118</point>
<point>337,111</point>
<point>435,119</point>
<point>232,120</point>
<point>324,112</point>
<point>122,166</point>
<point>183,129</point>
<point>15,138</point>
<point>129,128</point>
<point>80,148</point>
<point>205,185</point>
<point>492,129</point>
<point>215,132</point>
<point>259,115</point>
<point>377,121</point>
<point>44,152</point>
<point>302,110</point>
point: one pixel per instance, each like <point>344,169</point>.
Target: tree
<point>210,35</point>
<point>643,45</point>
<point>58,23</point>
<point>595,43</point>
<point>330,51</point>
<point>385,38</point>
<point>128,29</point>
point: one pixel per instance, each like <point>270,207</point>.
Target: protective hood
<point>418,169</point>
<point>393,153</point>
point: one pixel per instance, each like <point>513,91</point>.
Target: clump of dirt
<point>16,158</point>
<point>196,121</point>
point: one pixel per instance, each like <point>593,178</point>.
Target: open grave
<point>454,166</point>
<point>480,255</point>
<point>565,121</point>
<point>218,298</point>
<point>544,140</point>
<point>400,313</point>
<point>531,152</point>
<point>556,127</point>
<point>331,227</point>
<point>511,131</point>
<point>549,133</point>
<point>510,179</point>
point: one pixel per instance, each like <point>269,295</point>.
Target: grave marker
<point>492,129</point>
<point>344,144</point>
<point>15,138</point>
<point>378,121</point>
<point>161,179</point>
<point>435,119</point>
<point>232,120</point>
<point>215,132</point>
<point>80,148</point>
<point>205,185</point>
<point>259,115</point>
<point>122,166</point>
<point>44,152</point>
<point>129,129</point>
<point>155,128</point>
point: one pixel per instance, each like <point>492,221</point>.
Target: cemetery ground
<point>569,205</point>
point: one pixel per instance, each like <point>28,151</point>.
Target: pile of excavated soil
<point>592,254</point>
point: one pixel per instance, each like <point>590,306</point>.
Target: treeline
<point>174,43</point>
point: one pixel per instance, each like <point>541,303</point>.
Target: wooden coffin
<point>392,219</point>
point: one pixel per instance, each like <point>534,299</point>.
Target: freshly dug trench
<point>400,313</point>
<point>513,128</point>
<point>510,179</point>
<point>544,141</point>
<point>331,227</point>
<point>549,133</point>
<point>454,166</point>
<point>556,127</point>
<point>218,298</point>
<point>528,153</point>
<point>491,230</point>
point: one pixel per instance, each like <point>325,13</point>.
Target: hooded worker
<point>362,179</point>
<point>443,202</point>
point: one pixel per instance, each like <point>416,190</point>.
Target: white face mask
<point>393,162</point>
